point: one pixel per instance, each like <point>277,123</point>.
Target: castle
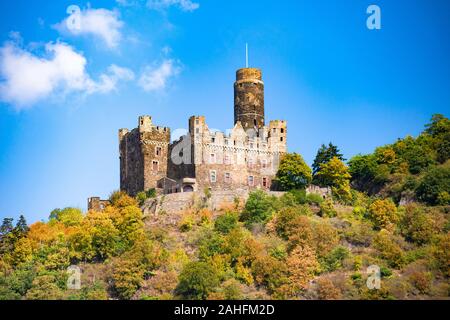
<point>247,157</point>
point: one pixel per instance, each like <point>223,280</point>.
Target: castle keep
<point>245,158</point>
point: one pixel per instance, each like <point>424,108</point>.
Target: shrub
<point>327,208</point>
<point>225,223</point>
<point>269,272</point>
<point>383,213</point>
<point>417,226</point>
<point>333,260</point>
<point>434,186</point>
<point>326,290</point>
<point>389,249</point>
<point>259,208</point>
<point>197,281</point>
<point>314,199</point>
<point>421,280</point>
<point>285,219</point>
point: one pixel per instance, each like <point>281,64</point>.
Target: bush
<point>333,261</point>
<point>383,213</point>
<point>258,209</point>
<point>326,290</point>
<point>327,209</point>
<point>225,223</point>
<point>197,281</point>
<point>314,199</point>
<point>389,249</point>
<point>285,219</point>
<point>417,226</point>
<point>435,185</point>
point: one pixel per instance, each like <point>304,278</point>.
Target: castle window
<point>264,182</point>
<point>281,139</point>
<point>197,122</point>
<point>264,163</point>
<point>251,163</point>
<point>158,151</point>
<point>274,130</point>
<point>155,166</point>
<point>251,181</point>
<point>252,145</point>
<point>213,140</point>
<point>227,177</point>
<point>212,158</point>
<point>282,130</point>
<point>197,130</point>
<point>213,176</point>
<point>227,159</point>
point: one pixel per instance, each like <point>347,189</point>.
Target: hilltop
<point>387,211</point>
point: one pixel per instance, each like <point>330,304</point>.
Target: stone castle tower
<point>249,98</point>
<point>246,158</point>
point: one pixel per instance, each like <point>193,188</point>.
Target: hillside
<point>389,209</point>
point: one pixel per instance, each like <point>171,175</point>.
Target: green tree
<point>434,187</point>
<point>293,173</point>
<point>335,174</point>
<point>324,155</point>
<point>197,280</point>
<point>45,287</point>
<point>258,208</point>
<point>226,222</point>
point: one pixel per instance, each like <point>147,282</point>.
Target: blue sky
<point>65,93</point>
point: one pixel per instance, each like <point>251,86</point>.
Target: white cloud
<point>26,78</point>
<point>157,78</point>
<point>185,5</point>
<point>101,23</point>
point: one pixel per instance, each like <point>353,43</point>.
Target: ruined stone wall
<point>176,202</point>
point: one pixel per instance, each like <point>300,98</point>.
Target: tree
<point>384,213</point>
<point>226,222</point>
<point>68,216</point>
<point>293,173</point>
<point>258,208</point>
<point>302,264</point>
<point>434,187</point>
<point>197,280</point>
<point>324,155</point>
<point>44,287</point>
<point>335,174</point>
<point>22,226</point>
<point>6,236</point>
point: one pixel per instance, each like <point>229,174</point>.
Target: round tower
<point>249,98</point>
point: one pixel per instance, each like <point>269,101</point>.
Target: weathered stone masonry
<point>245,158</point>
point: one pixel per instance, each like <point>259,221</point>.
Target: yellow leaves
<point>386,155</point>
<point>23,251</point>
<point>336,175</point>
<point>384,213</point>
<point>302,265</point>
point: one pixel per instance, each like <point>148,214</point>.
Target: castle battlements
<point>247,156</point>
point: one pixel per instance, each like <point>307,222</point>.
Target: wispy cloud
<point>27,78</point>
<point>157,78</point>
<point>161,5</point>
<point>185,5</point>
<point>101,23</point>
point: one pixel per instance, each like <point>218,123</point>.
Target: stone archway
<point>188,188</point>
